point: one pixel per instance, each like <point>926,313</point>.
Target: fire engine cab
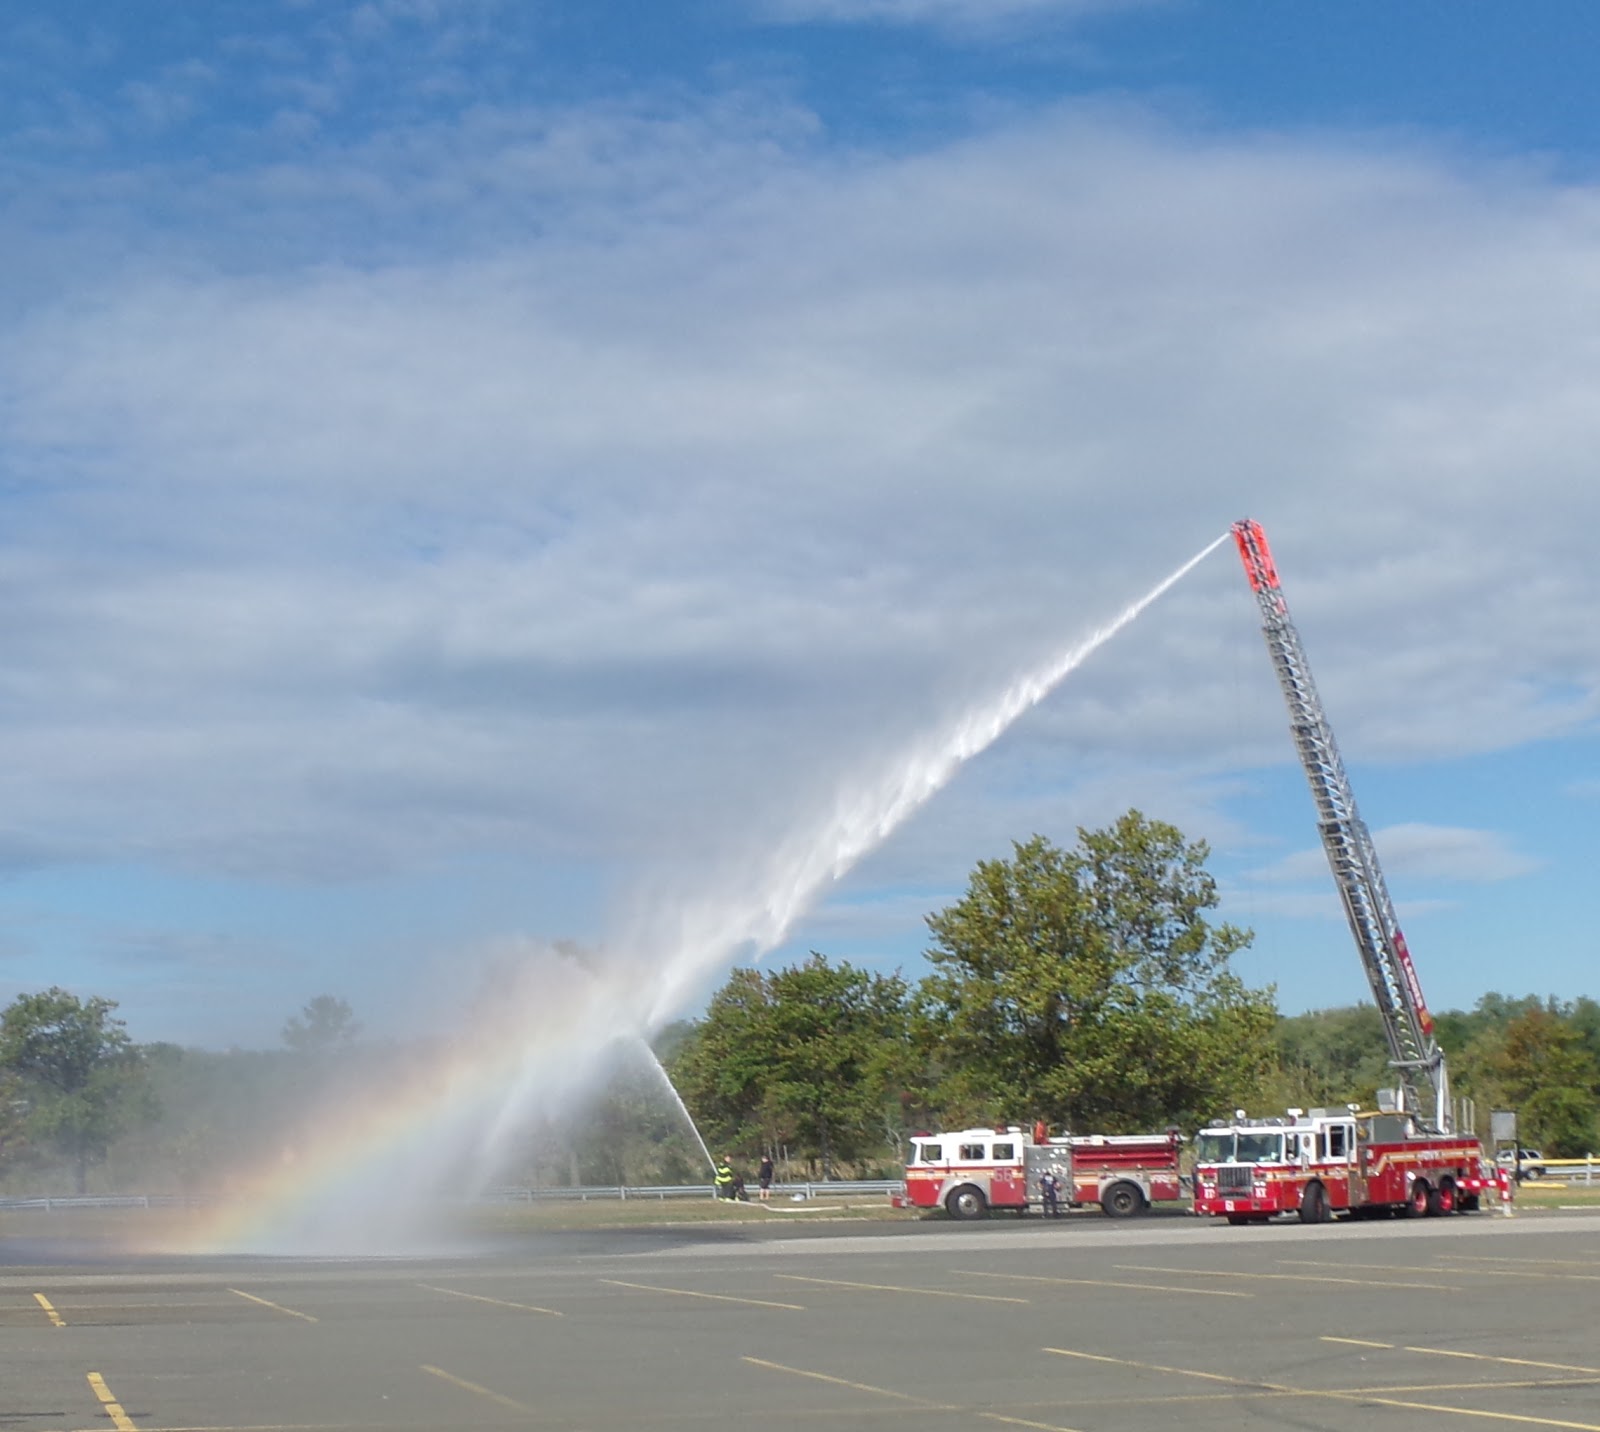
<point>1332,1161</point>
<point>970,1171</point>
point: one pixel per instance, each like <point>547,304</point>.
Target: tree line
<point>1086,986</point>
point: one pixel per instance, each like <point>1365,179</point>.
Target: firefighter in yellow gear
<point>725,1179</point>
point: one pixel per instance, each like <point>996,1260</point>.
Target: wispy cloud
<point>1415,851</point>
<point>669,499</point>
<point>611,479</point>
<point>965,15</point>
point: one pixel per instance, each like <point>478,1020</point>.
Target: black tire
<point>1424,1201</point>
<point>1314,1204</point>
<point>1445,1196</point>
<point>1121,1200</point>
<point>966,1203</point>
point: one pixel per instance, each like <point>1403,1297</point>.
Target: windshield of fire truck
<point>1259,1148</point>
<point>1247,1146</point>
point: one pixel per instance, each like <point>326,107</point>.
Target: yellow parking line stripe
<point>119,1419</point>
<point>1493,1258</point>
<point>1023,1422</point>
<point>1339,1396</point>
<point>1455,1272</point>
<point>1404,1405</point>
<point>1564,1383</point>
<point>473,1387</point>
<point>49,1312</point>
<point>854,1386</point>
<point>287,1312</point>
<point>1478,1356</point>
<point>1284,1277</point>
<point>1178,1371</point>
<point>498,1302</point>
<point>1102,1283</point>
<point>926,1404</point>
<point>714,1297</point>
<point>893,1288</point>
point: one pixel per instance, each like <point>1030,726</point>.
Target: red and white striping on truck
<point>1335,1161</point>
<point>970,1171</point>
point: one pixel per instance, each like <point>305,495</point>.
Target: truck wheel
<point>1121,1200</point>
<point>1446,1196</point>
<point>967,1203</point>
<point>1314,1204</point>
<point>1424,1203</point>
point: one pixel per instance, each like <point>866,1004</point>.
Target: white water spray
<point>761,915</point>
<point>647,978</point>
<point>544,1044</point>
<point>677,1099</point>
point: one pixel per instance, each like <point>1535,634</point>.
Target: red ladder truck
<point>1406,1157</point>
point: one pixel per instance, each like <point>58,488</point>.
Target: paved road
<point>1089,1325</point>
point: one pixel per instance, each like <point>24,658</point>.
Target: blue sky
<point>479,475</point>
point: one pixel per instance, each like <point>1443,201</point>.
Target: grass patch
<point>1554,1192</point>
<point>153,1229</point>
<point>644,1212</point>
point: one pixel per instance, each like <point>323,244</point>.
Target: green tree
<point>324,1026</point>
<point>13,1120</point>
<point>79,1074</point>
<point>809,1057</point>
<point>1087,987</point>
<point>1548,1075</point>
<point>720,1070</point>
<point>838,1048</point>
<point>1335,1056</point>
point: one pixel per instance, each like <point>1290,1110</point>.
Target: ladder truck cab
<point>1416,1154</point>
<point>969,1171</point>
<point>1324,1161</point>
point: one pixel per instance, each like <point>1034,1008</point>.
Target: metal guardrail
<point>517,1194</point>
<point>116,1200</point>
<point>1584,1170</point>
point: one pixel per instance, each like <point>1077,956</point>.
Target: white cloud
<point>617,482</point>
<point>965,15</point>
<point>1417,852</point>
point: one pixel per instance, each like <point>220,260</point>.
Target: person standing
<point>1050,1191</point>
<point>764,1177</point>
<point>724,1182</point>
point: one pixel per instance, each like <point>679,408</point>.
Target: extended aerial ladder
<point>1414,1053</point>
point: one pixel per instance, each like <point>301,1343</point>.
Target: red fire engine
<point>1409,1156</point>
<point>1332,1161</point>
<point>970,1171</point>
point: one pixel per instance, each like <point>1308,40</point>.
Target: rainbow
<point>372,1168</point>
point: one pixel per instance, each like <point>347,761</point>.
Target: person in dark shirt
<point>764,1177</point>
<point>1050,1189</point>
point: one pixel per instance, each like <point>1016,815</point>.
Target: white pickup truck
<point>1529,1163</point>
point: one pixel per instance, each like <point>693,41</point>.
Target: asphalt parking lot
<point>1468,1321</point>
